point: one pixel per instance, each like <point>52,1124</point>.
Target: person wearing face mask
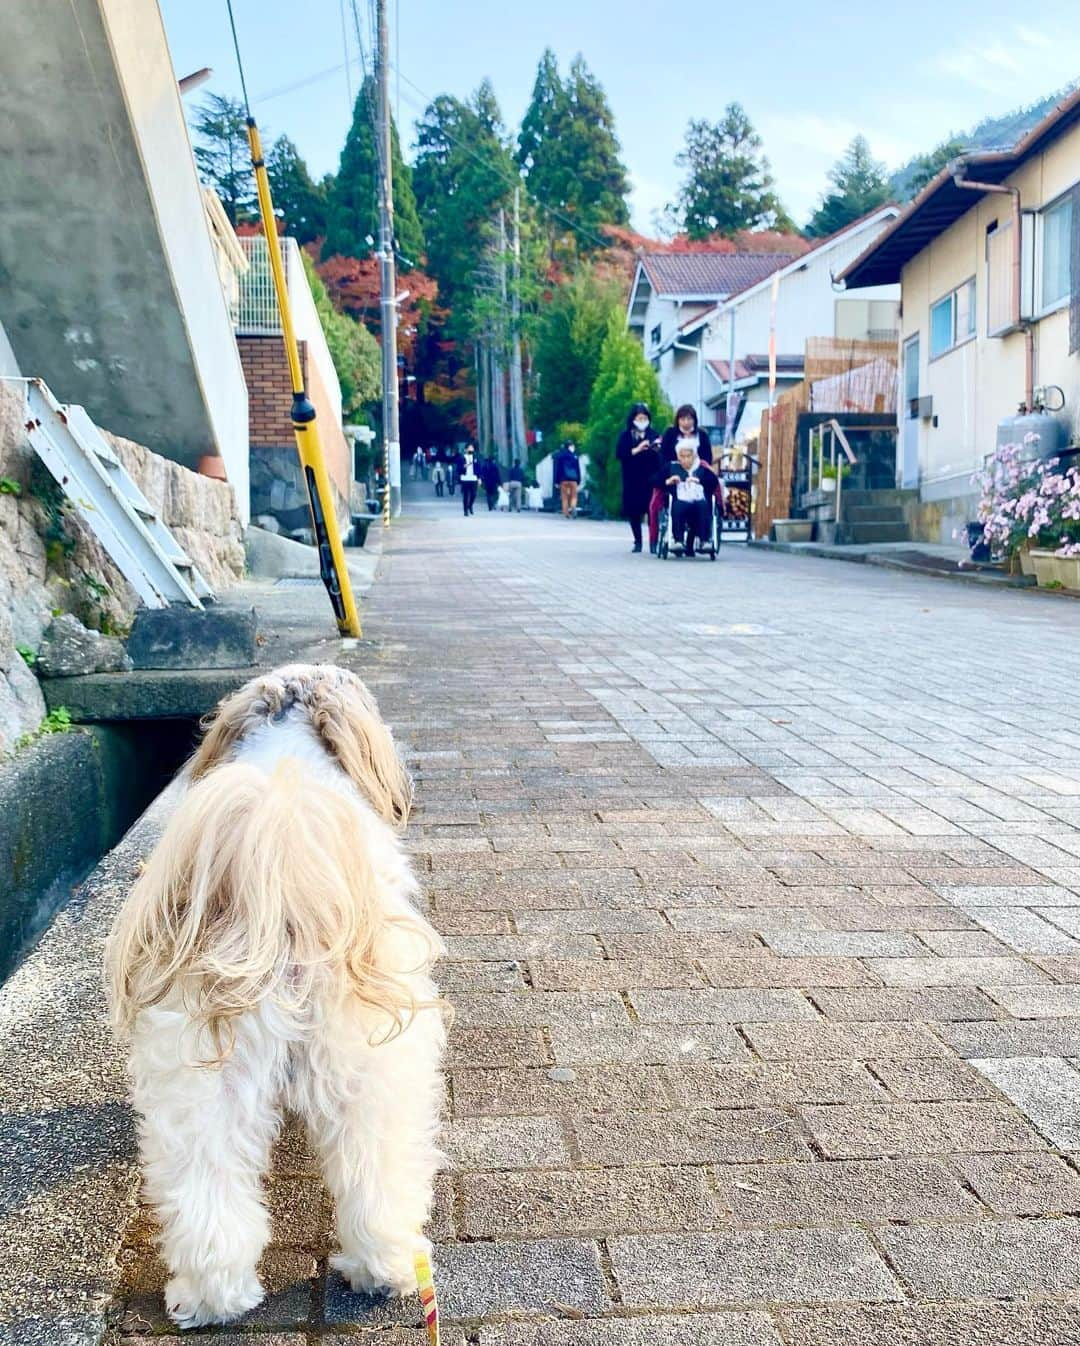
<point>636,451</point>
<point>685,427</point>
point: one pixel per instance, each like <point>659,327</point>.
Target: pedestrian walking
<point>568,477</point>
<point>438,476</point>
<point>491,478</point>
<point>419,465</point>
<point>469,477</point>
<point>685,427</point>
<point>639,459</point>
<point>515,485</point>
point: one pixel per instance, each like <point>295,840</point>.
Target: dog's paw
<point>384,1270</point>
<point>193,1303</point>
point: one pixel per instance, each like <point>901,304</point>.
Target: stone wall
<point>50,562</point>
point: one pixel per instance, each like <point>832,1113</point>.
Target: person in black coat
<point>492,480</point>
<point>685,427</point>
<point>637,453</point>
<point>691,485</point>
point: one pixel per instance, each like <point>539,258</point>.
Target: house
<point>109,282</point>
<point>807,306</point>
<point>986,259</point>
<point>671,299</point>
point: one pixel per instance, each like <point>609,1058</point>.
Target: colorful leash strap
<point>426,1284</point>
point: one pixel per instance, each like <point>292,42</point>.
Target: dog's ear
<point>347,719</point>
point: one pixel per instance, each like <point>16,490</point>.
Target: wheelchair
<point>669,545</point>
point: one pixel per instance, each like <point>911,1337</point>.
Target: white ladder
<point>122,519</point>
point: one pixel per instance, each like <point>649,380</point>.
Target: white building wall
<point>146,74</point>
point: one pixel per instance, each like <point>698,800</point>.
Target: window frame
<point>1044,310</point>
<point>656,336</point>
<point>956,342</point>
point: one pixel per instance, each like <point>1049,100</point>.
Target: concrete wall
<point>108,284</point>
<point>979,383</point>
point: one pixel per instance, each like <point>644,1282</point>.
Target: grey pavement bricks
<point>934,1325</point>
<point>781,1266</point>
<point>729,1005</point>
<point>770,1084</point>
<point>993,1260</point>
<point>843,943</point>
<point>504,1142</point>
<point>937,971</point>
<point>870,1130</point>
<point>697,1329</point>
<point>896,1004</point>
<point>839,1041</point>
<point>1039,1002</point>
<point>601,1088</point>
<point>701,1136</point>
<point>1046,1089</point>
<point>584,1202</point>
<point>873,1191</point>
<point>1033,1037</point>
<point>1023,1184</point>
<point>645,1044</point>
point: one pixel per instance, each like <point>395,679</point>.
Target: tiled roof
<point>751,366</point>
<point>709,273</point>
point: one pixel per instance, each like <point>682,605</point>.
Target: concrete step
<point>880,497</point>
<point>862,533</point>
<point>873,513</point>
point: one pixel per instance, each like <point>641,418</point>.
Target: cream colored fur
<point>271,954</point>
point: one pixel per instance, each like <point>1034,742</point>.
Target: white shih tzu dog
<point>271,955</point>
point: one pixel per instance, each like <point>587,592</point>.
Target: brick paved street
<point>761,882</point>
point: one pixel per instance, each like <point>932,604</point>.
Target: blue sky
<point>810,75</point>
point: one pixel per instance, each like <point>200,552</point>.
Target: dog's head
<point>342,713</point>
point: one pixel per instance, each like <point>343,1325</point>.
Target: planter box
<point>793,530</point>
<point>1051,568</point>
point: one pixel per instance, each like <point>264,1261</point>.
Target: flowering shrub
<point>1028,502</point>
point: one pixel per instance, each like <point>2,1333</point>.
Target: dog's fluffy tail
<point>261,887</point>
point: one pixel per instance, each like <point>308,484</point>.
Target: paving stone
<point>645,1044</point>
<point>908,916</point>
<point>716,919</point>
<point>708,1084</point>
<point>767,969</point>
<point>908,1005</point>
<point>720,1006</point>
<point>691,1137</point>
<point>840,1041</point>
<point>611,974</point>
<point>584,1202</point>
<point>473,923</point>
<point>1023,1184</point>
<point>1039,1002</point>
<point>588,922</point>
<point>934,1325</point>
<point>543,1276</point>
<point>1025,931</point>
<point>831,1193</point>
<point>683,945</point>
<point>842,944</point>
<point>857,1131</point>
<point>964,943</point>
<point>504,1142</point>
<point>1045,1088</point>
<point>931,1079</point>
<point>493,1047</point>
<point>955,971</point>
<point>516,948</point>
<point>1038,1037</point>
<point>779,1266</point>
<point>301,1213</point>
<point>991,895</point>
<point>599,1089</point>
<point>998,1259</point>
<point>696,1329</point>
<point>458,977</point>
<point>1062,967</point>
<point>539,1010</point>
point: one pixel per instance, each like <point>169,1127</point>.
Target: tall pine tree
<point>569,332</point>
<point>859,186</point>
<point>299,202</point>
<point>569,153</point>
<point>728,186</point>
<point>463,174</point>
<point>353,212</point>
<point>223,156</point>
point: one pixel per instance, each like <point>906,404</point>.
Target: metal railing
<point>257,312</point>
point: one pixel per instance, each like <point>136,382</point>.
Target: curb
<point>886,562</point>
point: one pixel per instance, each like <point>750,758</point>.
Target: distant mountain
<point>992,133</point>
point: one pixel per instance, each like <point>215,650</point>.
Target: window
<point>654,336</point>
<point>1055,270</point>
<point>952,319</point>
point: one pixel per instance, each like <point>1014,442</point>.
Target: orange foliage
<point>353,284</point>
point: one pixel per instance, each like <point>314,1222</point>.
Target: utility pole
<point>387,279</point>
<point>517,393</point>
<point>729,416</point>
